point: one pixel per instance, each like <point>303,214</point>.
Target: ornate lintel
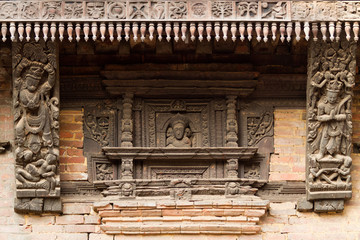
<point>331,78</point>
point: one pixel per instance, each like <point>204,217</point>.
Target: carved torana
<point>331,78</point>
<point>36,113</point>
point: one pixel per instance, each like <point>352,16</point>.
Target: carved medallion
<point>117,10</point>
<point>221,9</point>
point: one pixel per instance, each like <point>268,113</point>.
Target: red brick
<point>66,118</point>
<point>74,168</point>
<point>172,212</point>
<point>74,152</point>
<point>72,160</point>
<point>66,134</point>
<point>79,228</point>
<point>71,126</point>
<point>69,143</point>
<point>76,208</point>
<point>135,213</point>
<point>79,135</point>
<point>78,118</point>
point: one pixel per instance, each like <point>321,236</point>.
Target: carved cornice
<point>197,19</point>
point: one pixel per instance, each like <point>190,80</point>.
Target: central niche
<point>177,123</point>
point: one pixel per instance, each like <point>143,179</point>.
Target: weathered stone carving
<point>99,124</point>
<point>177,10</point>
<point>138,10</point>
<point>30,10</point>
<point>127,190</point>
<point>247,9</point>
<point>9,10</point>
<point>95,10</point>
<point>51,10</point>
<point>127,121</point>
<point>221,9</point>
<point>36,113</point>
<point>331,78</point>
<point>73,10</point>
<point>348,10</point>
<point>274,10</point>
<point>117,10</point>
<point>252,171</point>
<point>104,171</point>
<point>178,133</point>
<point>234,188</point>
<point>231,122</point>
<point>259,128</point>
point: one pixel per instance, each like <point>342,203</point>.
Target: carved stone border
<point>179,10</point>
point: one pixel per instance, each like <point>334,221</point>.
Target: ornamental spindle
<point>28,31</point>
<point>159,30</point>
<point>208,31</point>
<point>12,31</point>
<point>127,31</point>
<point>61,31</point>
<point>323,30</point>
<point>37,31</point>
<point>3,31</point>
<point>94,29</point>
<point>135,29</point>
<point>118,31</point>
<point>242,31</point>
<point>315,30</point>
<point>249,29</point>
<point>347,31</point>
<point>217,31</point>
<point>273,31</point>
<point>258,31</point>
<point>70,31</point>
<point>183,31</point>
<point>168,31</point>
<point>142,31</point>
<point>282,32</point>
<point>201,31</point>
<point>151,31</point>
<point>192,31</point>
<point>45,31</point>
<point>225,29</point>
<point>233,31</point>
<point>332,31</point>
<point>77,32</point>
<point>86,31</point>
<point>102,31</point>
<point>176,31</point>
<point>356,31</point>
<point>21,31</point>
<point>266,31</point>
<point>297,31</point>
<point>338,29</point>
<point>111,29</point>
<point>289,30</point>
<point>307,30</point>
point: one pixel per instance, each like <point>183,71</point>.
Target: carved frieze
<point>36,113</point>
<point>331,78</point>
<point>259,128</point>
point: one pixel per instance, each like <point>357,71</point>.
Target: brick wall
<point>288,160</point>
<point>73,165</point>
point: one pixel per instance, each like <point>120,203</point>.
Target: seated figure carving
<point>179,133</point>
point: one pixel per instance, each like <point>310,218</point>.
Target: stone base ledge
<point>237,216</point>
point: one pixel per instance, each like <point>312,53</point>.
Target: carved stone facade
<point>331,78</point>
<point>36,113</point>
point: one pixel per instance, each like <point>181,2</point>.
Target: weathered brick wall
<point>288,160</point>
<point>73,164</point>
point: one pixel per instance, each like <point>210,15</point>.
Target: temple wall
<point>80,222</point>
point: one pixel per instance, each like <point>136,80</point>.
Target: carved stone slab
<point>331,78</point>
<point>36,112</point>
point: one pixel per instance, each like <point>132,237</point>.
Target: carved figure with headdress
<point>178,133</point>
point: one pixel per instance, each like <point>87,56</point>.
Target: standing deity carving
<point>330,88</point>
<point>36,117</point>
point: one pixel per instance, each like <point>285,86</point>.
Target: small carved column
<point>231,136</point>
<point>127,135</point>
<point>36,113</point>
<point>331,78</point>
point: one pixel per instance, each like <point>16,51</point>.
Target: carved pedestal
<point>36,113</point>
<point>331,78</point>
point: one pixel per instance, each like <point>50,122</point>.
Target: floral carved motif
<point>247,9</point>
<point>221,9</point>
<point>8,10</point>
<point>30,10</point>
<point>259,128</point>
<point>331,78</point>
<point>73,10</point>
<point>177,10</point>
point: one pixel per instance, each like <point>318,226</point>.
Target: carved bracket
<point>36,113</point>
<point>331,78</point>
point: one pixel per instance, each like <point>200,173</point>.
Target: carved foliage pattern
<point>259,127</point>
<point>36,115</point>
<point>331,77</point>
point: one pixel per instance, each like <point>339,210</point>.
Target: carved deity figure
<point>36,118</point>
<point>178,133</point>
<point>331,112</point>
<point>332,69</point>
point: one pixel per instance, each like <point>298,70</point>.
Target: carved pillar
<point>127,135</point>
<point>36,112</point>
<point>231,122</point>
<point>127,121</point>
<point>331,78</point>
<point>231,135</point>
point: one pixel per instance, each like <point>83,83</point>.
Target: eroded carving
<point>234,188</point>
<point>127,121</point>
<point>259,128</point>
<point>8,10</point>
<point>30,10</point>
<point>252,171</point>
<point>127,190</point>
<point>331,81</point>
<point>177,10</point>
<point>178,133</point>
<point>231,122</point>
<point>95,10</point>
<point>36,115</point>
<point>51,10</point>
<point>274,10</point>
<point>104,171</point>
<point>221,9</point>
<point>247,9</point>
<point>138,10</point>
<point>73,10</point>
<point>117,10</point>
<point>348,10</point>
